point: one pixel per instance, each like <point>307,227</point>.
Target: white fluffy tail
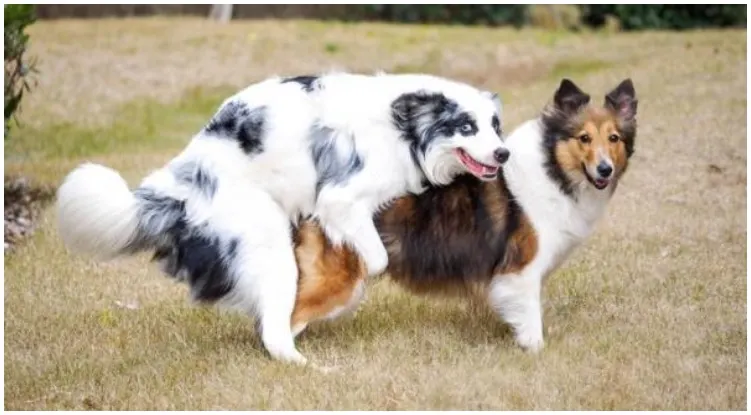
<point>96,212</point>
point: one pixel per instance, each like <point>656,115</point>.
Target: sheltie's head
<point>589,143</point>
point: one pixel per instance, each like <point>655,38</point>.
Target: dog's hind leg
<point>275,304</point>
<point>264,267</point>
<point>275,286</point>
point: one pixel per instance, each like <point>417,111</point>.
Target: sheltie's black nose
<point>604,169</point>
<point>501,155</point>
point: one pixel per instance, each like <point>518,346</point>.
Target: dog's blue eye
<point>466,128</point>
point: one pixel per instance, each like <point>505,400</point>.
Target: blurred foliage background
<point>19,68</point>
<point>629,17</point>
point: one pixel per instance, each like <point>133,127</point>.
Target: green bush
<point>18,67</point>
<point>663,16</point>
<point>485,14</point>
<point>629,16</point>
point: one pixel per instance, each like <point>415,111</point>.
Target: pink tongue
<point>476,168</point>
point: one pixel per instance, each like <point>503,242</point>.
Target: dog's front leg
<point>516,299</point>
<point>345,220</point>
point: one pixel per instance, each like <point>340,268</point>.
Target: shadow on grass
<point>205,332</point>
<point>416,317</point>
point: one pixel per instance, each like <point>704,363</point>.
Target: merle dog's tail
<point>99,215</point>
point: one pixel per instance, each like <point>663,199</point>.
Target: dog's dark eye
<point>613,138</point>
<point>584,138</point>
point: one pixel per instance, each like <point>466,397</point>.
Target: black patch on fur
<point>307,82</point>
<point>186,252</point>
<point>332,165</point>
<point>554,129</point>
<point>448,234</point>
<point>158,215</point>
<point>556,126</point>
<point>166,255</point>
<point>628,135</point>
<point>423,116</point>
<point>206,263</point>
<point>192,174</point>
<point>495,122</point>
<point>239,122</point>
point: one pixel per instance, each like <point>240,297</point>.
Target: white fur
<point>265,271</point>
<point>257,195</point>
<point>98,214</point>
<point>560,221</point>
<point>358,107</point>
<point>96,211</point>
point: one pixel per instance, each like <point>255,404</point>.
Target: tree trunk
<point>221,12</point>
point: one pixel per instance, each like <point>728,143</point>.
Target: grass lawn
<point>649,314</point>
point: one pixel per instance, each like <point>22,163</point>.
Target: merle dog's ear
<point>403,107</point>
<point>622,100</point>
<point>569,98</point>
<point>496,100</point>
<point>412,105</point>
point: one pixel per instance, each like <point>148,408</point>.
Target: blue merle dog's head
<point>452,132</point>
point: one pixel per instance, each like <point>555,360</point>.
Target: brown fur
<point>454,239</point>
<point>522,248</point>
<point>328,274</point>
<point>598,124</point>
<point>419,233</point>
<point>575,130</point>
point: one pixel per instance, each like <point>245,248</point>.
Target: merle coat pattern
<point>334,148</point>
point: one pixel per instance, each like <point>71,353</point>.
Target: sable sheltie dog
<point>335,147</point>
<point>497,240</point>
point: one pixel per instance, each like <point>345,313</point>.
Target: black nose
<point>604,169</point>
<point>501,155</point>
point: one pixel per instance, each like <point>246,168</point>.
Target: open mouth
<point>599,183</point>
<point>479,170</point>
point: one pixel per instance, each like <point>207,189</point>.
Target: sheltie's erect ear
<point>622,103</point>
<point>622,100</point>
<point>569,99</point>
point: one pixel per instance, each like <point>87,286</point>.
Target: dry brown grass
<point>649,314</point>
